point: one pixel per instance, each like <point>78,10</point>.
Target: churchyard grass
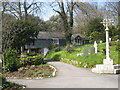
<point>85,61</point>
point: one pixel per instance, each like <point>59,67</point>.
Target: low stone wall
<point>54,72</point>
<point>74,62</point>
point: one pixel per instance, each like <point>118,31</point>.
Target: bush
<point>112,43</point>
<point>11,60</point>
<point>32,60</point>
<point>118,46</point>
<point>53,46</point>
<point>2,78</point>
<point>70,48</point>
<point>56,57</point>
<point>38,60</point>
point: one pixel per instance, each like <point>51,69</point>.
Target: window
<point>55,40</point>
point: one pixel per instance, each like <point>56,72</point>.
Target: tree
<point>19,33</point>
<point>95,30</point>
<point>7,19</point>
<point>65,11</point>
<point>55,23</point>
<point>84,13</point>
<point>21,8</point>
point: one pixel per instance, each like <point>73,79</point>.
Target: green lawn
<point>87,61</point>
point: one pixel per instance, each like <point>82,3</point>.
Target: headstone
<point>110,39</point>
<point>92,50</point>
<point>45,51</point>
<point>85,52</point>
<point>28,51</point>
<point>95,46</point>
<point>21,49</point>
<point>101,41</point>
<point>118,40</point>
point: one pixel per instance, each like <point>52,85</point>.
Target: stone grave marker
<point>92,50</point>
<point>85,52</point>
<point>95,46</point>
<point>110,39</point>
<point>101,41</point>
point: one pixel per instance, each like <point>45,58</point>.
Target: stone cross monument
<point>107,66</point>
<point>95,46</point>
<point>107,22</point>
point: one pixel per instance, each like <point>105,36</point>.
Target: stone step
<point>116,66</point>
<point>101,68</point>
<point>116,71</point>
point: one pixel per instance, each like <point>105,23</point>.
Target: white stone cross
<point>107,22</point>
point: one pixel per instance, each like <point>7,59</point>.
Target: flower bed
<point>31,72</point>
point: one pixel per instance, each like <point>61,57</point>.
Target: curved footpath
<point>69,76</point>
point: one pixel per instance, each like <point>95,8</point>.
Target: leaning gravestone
<point>92,50</point>
<point>85,52</point>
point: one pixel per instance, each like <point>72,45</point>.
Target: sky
<point>48,12</point>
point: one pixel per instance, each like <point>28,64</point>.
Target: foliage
<point>118,46</point>
<point>55,23</point>
<point>114,32</point>
<point>32,60</point>
<point>9,85</point>
<point>55,47</point>
<point>56,57</point>
<point>97,36</point>
<point>70,48</point>
<point>11,59</point>
<point>95,30</point>
<point>112,43</point>
<point>18,33</point>
<point>2,78</point>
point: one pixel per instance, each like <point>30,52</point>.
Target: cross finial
<point>107,22</point>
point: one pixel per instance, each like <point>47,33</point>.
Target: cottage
<point>79,39</point>
<point>44,40</point>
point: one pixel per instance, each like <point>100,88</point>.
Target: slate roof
<point>50,35</point>
<point>82,36</point>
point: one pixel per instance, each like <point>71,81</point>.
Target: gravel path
<point>69,76</point>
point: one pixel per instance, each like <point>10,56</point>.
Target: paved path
<point>69,76</point>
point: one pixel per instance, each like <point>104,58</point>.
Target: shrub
<point>2,78</point>
<point>104,51</point>
<point>11,59</point>
<point>112,43</point>
<point>32,60</point>
<point>53,46</point>
<point>38,60</point>
<point>56,57</point>
<point>70,48</point>
<point>118,46</point>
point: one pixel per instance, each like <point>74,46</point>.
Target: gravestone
<point>110,39</point>
<point>118,40</point>
<point>92,50</point>
<point>95,46</point>
<point>85,52</point>
<point>101,41</point>
<point>45,51</point>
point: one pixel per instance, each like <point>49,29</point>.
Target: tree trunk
<point>25,9</point>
